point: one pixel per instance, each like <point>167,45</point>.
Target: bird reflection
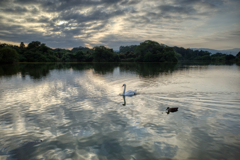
<point>27,151</point>
<point>173,109</point>
<point>124,104</point>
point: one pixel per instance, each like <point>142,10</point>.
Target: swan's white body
<point>128,93</point>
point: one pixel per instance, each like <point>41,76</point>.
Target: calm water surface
<point>77,110</point>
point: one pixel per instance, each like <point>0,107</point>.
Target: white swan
<point>128,93</point>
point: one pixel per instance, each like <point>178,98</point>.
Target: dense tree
<point>124,49</point>
<point>22,45</point>
<point>80,48</point>
<point>103,54</point>
<point>34,45</point>
<point>189,54</point>
<point>169,54</point>
<point>238,55</point>
<point>34,56</point>
<point>230,57</point>
<point>67,57</point>
<point>79,55</point>
<point>38,52</point>
<point>151,51</point>
<point>218,57</point>
<point>147,51</point>
<point>8,55</point>
<point>60,52</point>
<point>4,45</point>
<point>149,46</point>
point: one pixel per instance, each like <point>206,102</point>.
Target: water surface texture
<point>78,112</point>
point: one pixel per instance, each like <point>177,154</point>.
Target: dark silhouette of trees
<point>80,48</point>
<point>34,45</point>
<point>238,55</point>
<point>22,45</point>
<point>103,54</point>
<point>8,55</point>
<point>230,57</point>
<point>151,51</point>
<point>125,49</point>
<point>147,51</point>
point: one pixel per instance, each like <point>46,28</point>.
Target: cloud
<point>15,10</point>
<point>168,9</point>
<point>98,21</point>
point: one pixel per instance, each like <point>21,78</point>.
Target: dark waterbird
<point>173,109</point>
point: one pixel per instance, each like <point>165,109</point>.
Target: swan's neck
<point>124,90</point>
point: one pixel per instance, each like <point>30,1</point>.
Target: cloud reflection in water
<point>79,114</point>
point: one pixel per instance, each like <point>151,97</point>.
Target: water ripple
<point>79,114</point>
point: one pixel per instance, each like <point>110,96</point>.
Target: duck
<point>128,93</point>
<point>173,109</point>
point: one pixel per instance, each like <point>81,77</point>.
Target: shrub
<point>8,55</point>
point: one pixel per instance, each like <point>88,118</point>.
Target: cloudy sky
<point>71,23</point>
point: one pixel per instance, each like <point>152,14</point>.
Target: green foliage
<point>8,55</point>
<point>22,58</point>
<point>34,45</point>
<point>179,56</point>
<point>122,56</point>
<point>51,58</point>
<point>169,55</point>
<point>238,58</point>
<point>238,55</point>
<point>205,57</point>
<point>223,57</point>
<point>60,52</point>
<point>66,57</point>
<point>149,46</point>
<point>36,56</point>
<point>150,51</point>
<point>147,51</point>
<point>127,55</point>
<point>38,52</point>
<point>103,54</point>
<point>218,57</point>
<point>80,56</point>
<point>22,45</point>
<point>230,57</point>
<point>189,54</point>
<point>124,49</point>
<point>80,48</point>
<point>88,58</point>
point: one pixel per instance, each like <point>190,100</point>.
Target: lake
<point>77,110</point>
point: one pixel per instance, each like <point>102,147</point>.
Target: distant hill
<point>213,51</point>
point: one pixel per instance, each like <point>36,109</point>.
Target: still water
<point>77,111</point>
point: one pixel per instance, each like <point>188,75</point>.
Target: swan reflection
<point>124,104</point>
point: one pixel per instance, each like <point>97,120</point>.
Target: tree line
<point>189,54</point>
<point>147,51</point>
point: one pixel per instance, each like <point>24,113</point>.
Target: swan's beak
<point>122,85</point>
